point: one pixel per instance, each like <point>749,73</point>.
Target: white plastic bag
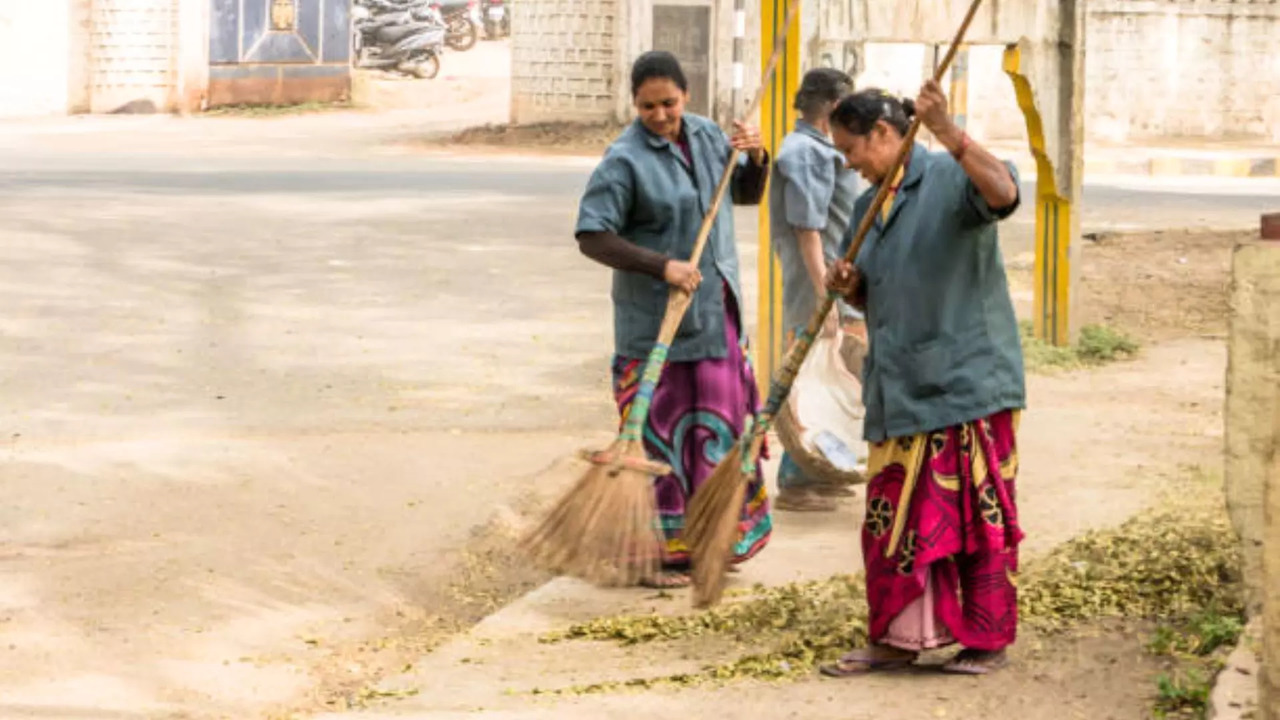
<point>826,407</point>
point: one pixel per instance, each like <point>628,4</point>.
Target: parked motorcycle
<point>463,19</point>
<point>392,36</point>
<point>497,20</point>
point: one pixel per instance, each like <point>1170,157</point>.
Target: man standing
<point>810,204</point>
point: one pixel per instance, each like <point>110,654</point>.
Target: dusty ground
<point>1100,446</point>
<point>1097,447</point>
<point>263,378</point>
<point>562,138</point>
<point>1178,289</point>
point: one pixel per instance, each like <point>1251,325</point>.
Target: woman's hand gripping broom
<point>711,524</point>
<point>605,528</point>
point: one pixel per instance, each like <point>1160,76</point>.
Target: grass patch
<point>1200,636</point>
<point>1097,345</point>
<point>1179,565</point>
<point>1196,648</point>
<point>1182,695</point>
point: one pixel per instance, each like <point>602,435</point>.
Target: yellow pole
<point>776,120</point>
<point>1053,219</point>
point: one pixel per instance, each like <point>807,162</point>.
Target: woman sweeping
<point>640,215</point>
<point>943,388</point>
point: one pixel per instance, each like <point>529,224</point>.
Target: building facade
<point>106,56</point>
<point>1156,70</point>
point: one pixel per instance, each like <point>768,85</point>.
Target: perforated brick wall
<point>563,60</point>
<point>132,52</point>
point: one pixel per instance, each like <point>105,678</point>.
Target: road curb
<point>1189,165</point>
<point>1164,164</point>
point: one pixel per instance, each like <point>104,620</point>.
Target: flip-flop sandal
<point>844,667</point>
<point>967,664</point>
<point>667,581</point>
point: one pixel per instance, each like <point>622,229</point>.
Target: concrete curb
<point>1264,163</point>
<point>1235,691</point>
<point>1188,165</point>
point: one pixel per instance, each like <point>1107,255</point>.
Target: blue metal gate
<point>279,51</point>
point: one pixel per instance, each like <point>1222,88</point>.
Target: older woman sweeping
<point>640,215</point>
<point>943,388</point>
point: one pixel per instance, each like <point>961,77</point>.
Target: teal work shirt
<point>645,191</point>
<point>944,344</point>
<point>811,190</point>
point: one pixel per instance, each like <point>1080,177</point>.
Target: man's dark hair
<point>820,87</point>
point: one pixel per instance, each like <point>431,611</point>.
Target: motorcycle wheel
<point>462,35</point>
<point>426,68</point>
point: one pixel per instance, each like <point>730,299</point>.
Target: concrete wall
<point>35,57</point>
<point>569,56</point>
<point>1253,400</point>
<point>568,59</point>
<point>571,59</point>
<point>1227,82</point>
<point>74,56</point>
<point>133,52</point>
<point>1155,71</point>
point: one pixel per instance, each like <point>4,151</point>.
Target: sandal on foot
<point>667,581</point>
<point>976,662</point>
<point>866,661</point>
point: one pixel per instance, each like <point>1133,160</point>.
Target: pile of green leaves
<point>1164,565</point>
<point>801,624</point>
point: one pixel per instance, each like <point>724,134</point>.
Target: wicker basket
<point>811,462</point>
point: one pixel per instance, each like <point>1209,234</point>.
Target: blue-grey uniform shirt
<point>645,191</point>
<point>944,339</point>
<point>811,190</point>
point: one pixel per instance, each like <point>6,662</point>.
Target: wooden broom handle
<point>781,386</point>
<point>679,300</point>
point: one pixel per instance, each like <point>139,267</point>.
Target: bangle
<point>964,146</point>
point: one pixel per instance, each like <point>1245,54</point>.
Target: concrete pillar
<point>191,65</point>
<point>1253,400</point>
<point>1048,79</point>
<point>1255,335</point>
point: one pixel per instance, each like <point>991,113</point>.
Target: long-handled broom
<point>605,528</point>
<point>712,518</point>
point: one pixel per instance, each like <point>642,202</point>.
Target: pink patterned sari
<point>941,536</point>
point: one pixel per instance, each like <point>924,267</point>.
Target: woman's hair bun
<point>908,107</point>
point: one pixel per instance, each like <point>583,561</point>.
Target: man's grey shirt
<point>811,189</point>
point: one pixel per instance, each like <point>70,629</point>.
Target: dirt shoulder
<point>545,138</point>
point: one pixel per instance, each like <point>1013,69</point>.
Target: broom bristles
<point>711,527</point>
<point>604,529</point>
